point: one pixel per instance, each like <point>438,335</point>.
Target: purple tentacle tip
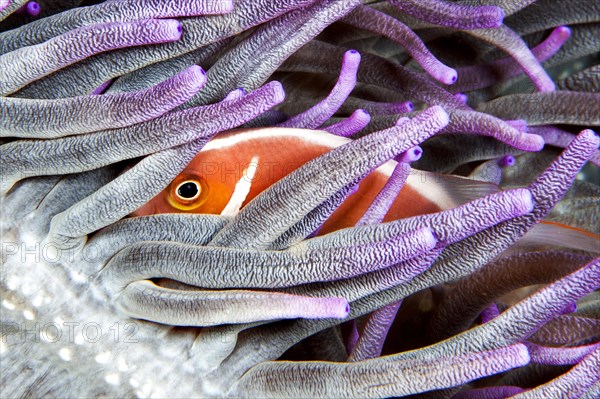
<point>591,137</point>
<point>463,98</point>
<point>402,120</point>
<point>411,155</point>
<point>351,125</point>
<point>338,308</point>
<point>571,308</point>
<point>451,76</point>
<point>416,153</point>
<point>31,9</point>
<point>444,74</point>
<point>489,313</point>
<point>507,160</point>
<point>102,88</point>
<point>176,29</point>
<point>561,33</point>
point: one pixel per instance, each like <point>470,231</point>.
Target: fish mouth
<point>441,240</point>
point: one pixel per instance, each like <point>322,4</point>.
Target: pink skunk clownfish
<point>236,166</point>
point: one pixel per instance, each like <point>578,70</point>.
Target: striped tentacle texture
<point>300,198</point>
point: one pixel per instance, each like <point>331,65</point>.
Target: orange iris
<point>187,192</point>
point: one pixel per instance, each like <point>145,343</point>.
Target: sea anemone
<point>300,199</point>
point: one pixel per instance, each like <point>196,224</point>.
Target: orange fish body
<point>260,157</point>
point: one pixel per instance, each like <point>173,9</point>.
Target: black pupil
<point>187,190</point>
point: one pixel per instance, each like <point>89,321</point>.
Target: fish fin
<point>449,191</point>
<point>562,235</point>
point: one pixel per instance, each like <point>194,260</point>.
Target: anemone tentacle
<point>391,377</point>
<point>32,63</point>
<point>315,116</point>
<point>228,267</point>
<point>96,112</point>
<point>451,15</point>
<point>145,300</point>
<point>479,76</point>
<point>560,107</point>
<point>350,126</point>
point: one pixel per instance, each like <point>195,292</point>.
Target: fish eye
<point>187,192</point>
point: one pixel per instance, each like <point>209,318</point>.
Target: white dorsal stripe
<point>242,188</point>
<point>319,137</point>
